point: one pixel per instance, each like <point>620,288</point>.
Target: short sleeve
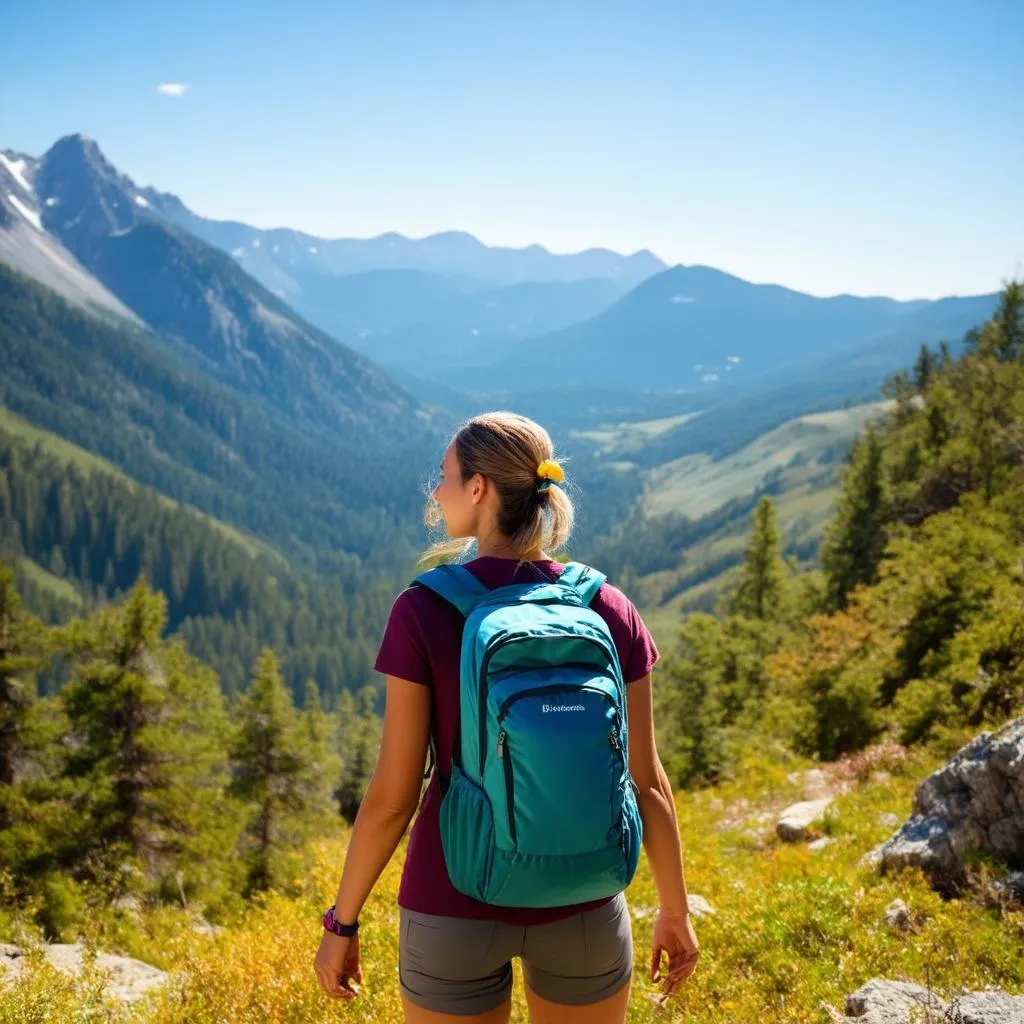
<point>403,648</point>
<point>638,653</point>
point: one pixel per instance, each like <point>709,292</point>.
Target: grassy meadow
<point>793,931</point>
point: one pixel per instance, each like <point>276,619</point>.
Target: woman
<point>455,953</point>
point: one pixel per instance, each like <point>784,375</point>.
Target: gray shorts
<point>459,966</point>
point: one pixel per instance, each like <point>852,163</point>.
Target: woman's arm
<point>392,796</point>
<point>654,797</point>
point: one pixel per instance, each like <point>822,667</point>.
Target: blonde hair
<point>508,449</point>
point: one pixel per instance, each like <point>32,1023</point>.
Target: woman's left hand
<point>337,966</point>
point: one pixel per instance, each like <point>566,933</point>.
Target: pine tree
<point>856,537</point>
<point>763,575</point>
<point>147,756</point>
<point>22,654</point>
<point>321,733</point>
<point>274,775</point>
<point>359,741</point>
<point>924,368</point>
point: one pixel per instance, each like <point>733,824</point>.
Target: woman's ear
<point>479,491</point>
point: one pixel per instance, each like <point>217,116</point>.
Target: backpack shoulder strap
<point>456,584</point>
<point>584,579</point>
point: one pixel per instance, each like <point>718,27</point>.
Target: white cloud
<point>173,89</point>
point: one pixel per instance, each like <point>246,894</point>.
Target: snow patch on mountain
<point>26,211</point>
<point>16,169</point>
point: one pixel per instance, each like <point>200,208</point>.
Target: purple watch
<point>332,924</point>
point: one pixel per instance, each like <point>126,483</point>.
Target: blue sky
<point>875,148</point>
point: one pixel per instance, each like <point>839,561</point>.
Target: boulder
<point>993,1007</point>
<point>897,1002</point>
<point>897,915</point>
<point>975,801</point>
<point>892,1002</point>
<point>795,821</point>
<point>130,980</point>
<point>699,907</point>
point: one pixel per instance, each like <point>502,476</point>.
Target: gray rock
<point>993,1007</point>
<point>897,915</point>
<point>891,1002</point>
<point>814,783</point>
<point>975,801</point>
<point>699,907</point>
<point>795,821</point>
<point>203,927</point>
<point>897,1002</point>
<point>130,980</point>
<point>820,844</point>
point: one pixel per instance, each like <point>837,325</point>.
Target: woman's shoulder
<point>613,602</point>
<point>420,604</point>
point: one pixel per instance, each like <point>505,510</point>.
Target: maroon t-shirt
<point>422,643</point>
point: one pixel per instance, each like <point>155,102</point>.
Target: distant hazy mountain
<point>281,258</point>
<point>198,300</point>
<point>470,326</point>
<point>699,328</point>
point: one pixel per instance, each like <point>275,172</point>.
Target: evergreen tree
<point>760,591</point>
<point>924,367</point>
<point>24,732</point>
<point>855,539</point>
<point>359,742</point>
<point>274,775</point>
<point>21,639</point>
<point>146,750</point>
<point>321,730</point>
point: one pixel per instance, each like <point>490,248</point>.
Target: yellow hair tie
<point>550,471</point>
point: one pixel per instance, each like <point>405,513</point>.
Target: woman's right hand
<point>674,936</point>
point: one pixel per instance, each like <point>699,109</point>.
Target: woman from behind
<point>500,490</point>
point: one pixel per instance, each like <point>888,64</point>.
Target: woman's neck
<point>498,547</point>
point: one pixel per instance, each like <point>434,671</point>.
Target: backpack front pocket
<point>558,768</point>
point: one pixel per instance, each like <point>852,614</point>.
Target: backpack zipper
<point>536,691</point>
<point>505,755</point>
<point>482,698</point>
<point>510,789</point>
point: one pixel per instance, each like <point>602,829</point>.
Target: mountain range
<point>196,299</point>
<point>298,402</point>
<point>247,304</point>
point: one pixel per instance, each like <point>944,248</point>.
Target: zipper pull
<point>501,743</point>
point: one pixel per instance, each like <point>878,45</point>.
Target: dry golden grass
<point>793,929</point>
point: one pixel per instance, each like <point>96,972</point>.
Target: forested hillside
<point>115,392</point>
<point>910,635</point>
<point>227,595</point>
<point>913,626</point>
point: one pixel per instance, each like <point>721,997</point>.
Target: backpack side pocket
<point>467,835</point>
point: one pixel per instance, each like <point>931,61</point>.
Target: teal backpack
<point>540,809</point>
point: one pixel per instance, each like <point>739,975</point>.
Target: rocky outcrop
<point>795,822</point>
<point>698,905</point>
<point>896,1002</point>
<point>976,801</point>
<point>130,980</point>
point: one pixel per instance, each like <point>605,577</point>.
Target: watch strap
<point>332,924</point>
